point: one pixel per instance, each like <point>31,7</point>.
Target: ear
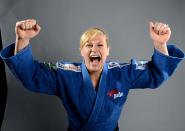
<point>81,52</point>
<point>108,49</point>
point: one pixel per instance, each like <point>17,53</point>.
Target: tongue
<point>95,61</point>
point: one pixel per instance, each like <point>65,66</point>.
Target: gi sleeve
<point>151,74</point>
<point>35,76</point>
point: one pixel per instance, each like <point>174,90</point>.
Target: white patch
<point>119,94</point>
<point>141,65</point>
<point>70,67</point>
<point>115,64</point>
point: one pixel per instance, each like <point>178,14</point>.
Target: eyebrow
<point>96,43</point>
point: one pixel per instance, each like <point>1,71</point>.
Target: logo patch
<point>70,67</point>
<point>116,64</point>
<point>112,65</point>
<point>114,93</point>
<point>141,65</point>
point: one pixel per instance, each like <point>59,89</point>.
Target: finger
<point>37,27</point>
<point>162,29</point>
<point>165,29</point>
<point>157,27</point>
<point>31,22</point>
<point>28,25</point>
<point>168,30</point>
<point>154,28</point>
<point>17,26</point>
<point>19,23</point>
<point>23,26</point>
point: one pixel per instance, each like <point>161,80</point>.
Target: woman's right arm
<point>35,76</point>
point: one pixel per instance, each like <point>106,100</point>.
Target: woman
<point>93,92</point>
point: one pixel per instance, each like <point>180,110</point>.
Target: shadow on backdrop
<point>3,86</point>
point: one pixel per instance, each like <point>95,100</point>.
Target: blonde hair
<point>91,33</point>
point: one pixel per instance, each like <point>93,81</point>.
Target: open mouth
<point>94,58</point>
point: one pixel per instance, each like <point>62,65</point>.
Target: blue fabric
<point>87,108</point>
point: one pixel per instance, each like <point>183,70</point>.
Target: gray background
<point>126,22</point>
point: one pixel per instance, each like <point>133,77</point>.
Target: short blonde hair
<point>91,33</point>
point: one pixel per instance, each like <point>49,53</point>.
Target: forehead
<point>97,38</point>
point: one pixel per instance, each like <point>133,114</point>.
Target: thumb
<point>151,26</point>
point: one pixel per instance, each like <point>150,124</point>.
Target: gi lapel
<point>88,86</point>
<point>100,96</point>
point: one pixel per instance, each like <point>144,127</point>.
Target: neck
<point>95,77</point>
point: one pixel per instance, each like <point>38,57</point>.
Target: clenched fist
<point>160,34</point>
<point>25,30</point>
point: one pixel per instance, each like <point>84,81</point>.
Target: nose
<point>94,48</point>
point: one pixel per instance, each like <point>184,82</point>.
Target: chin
<point>95,69</point>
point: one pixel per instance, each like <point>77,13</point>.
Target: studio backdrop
<point>62,23</point>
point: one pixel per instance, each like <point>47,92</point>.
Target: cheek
<point>105,53</point>
<point>85,56</point>
<point>83,53</point>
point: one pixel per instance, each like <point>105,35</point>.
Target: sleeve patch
<point>116,64</point>
<point>50,66</point>
<point>70,67</point>
<point>141,65</point>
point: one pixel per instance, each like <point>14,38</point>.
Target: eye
<point>89,45</point>
<point>100,45</point>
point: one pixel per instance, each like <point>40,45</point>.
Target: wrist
<point>161,47</point>
<point>20,44</point>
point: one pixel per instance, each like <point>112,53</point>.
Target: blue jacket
<point>88,109</point>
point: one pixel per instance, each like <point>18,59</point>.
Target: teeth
<point>94,56</point>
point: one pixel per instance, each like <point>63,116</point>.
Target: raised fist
<point>27,29</point>
<point>159,32</point>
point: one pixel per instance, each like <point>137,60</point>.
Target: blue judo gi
<point>88,109</point>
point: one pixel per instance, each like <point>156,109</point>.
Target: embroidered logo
<point>112,65</point>
<point>116,64</point>
<point>115,93</point>
<point>50,66</point>
<point>71,67</point>
<point>141,65</point>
